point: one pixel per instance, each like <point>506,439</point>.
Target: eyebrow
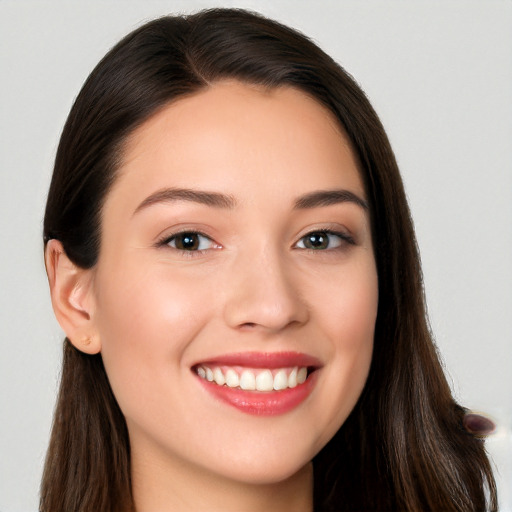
<point>218,200</point>
<point>327,198</point>
<point>169,195</point>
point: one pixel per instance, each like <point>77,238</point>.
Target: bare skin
<point>249,256</point>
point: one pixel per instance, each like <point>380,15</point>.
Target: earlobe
<point>72,298</point>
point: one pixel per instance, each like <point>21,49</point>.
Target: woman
<point>231,256</point>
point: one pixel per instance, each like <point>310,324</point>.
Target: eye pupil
<point>317,241</point>
<point>187,241</point>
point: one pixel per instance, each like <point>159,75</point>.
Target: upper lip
<point>263,360</point>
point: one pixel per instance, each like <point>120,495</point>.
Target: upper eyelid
<point>344,234</point>
<point>333,230</point>
<point>165,241</point>
<point>345,237</point>
<point>170,235</point>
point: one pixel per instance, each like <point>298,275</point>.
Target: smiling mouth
<point>252,379</point>
<point>260,383</point>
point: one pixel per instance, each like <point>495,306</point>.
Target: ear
<point>71,289</point>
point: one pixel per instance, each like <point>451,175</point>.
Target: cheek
<point>146,321</point>
<point>348,306</point>
<point>348,320</point>
<point>354,322</point>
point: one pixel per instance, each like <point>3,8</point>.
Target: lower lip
<point>260,403</point>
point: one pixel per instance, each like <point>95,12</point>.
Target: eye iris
<point>317,241</point>
<point>187,241</point>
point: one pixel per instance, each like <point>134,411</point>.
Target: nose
<point>263,293</point>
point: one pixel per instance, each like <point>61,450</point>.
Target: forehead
<point>231,134</point>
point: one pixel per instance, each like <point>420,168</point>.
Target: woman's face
<point>236,246</point>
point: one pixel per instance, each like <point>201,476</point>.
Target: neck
<point>160,488</point>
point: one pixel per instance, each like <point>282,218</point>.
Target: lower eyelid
<point>341,239</point>
<point>167,240</point>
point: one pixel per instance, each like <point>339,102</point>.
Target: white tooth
<point>209,374</point>
<point>218,376</point>
<point>302,375</point>
<point>201,372</point>
<point>265,381</point>
<point>232,379</point>
<point>292,379</point>
<point>280,380</point>
<point>247,380</point>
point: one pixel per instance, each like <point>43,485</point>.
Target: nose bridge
<point>263,291</point>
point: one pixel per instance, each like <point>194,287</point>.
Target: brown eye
<point>322,240</point>
<point>190,241</point>
<point>316,241</point>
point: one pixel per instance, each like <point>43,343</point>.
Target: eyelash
<point>166,241</point>
<point>344,238</point>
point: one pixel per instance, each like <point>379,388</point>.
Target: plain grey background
<point>440,76</point>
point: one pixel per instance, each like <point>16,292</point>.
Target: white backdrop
<point>439,73</point>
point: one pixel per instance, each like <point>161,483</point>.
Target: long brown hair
<point>404,446</point>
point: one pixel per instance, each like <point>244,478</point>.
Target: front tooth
<point>247,380</point>
<point>265,381</point>
<point>209,374</point>
<point>302,375</point>
<point>232,379</point>
<point>218,376</point>
<point>280,380</point>
<point>292,379</point>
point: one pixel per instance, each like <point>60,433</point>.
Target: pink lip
<point>263,403</point>
<point>264,360</point>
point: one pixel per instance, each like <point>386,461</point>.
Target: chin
<point>267,466</point>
